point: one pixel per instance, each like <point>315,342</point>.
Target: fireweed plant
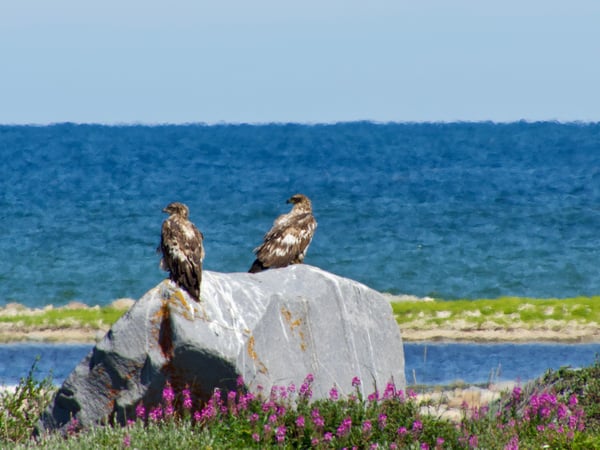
<point>287,417</point>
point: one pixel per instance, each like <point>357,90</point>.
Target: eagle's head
<point>178,209</point>
<point>300,202</point>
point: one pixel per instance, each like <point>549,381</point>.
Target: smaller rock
<point>122,303</point>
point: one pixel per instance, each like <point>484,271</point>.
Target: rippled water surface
<point>424,363</point>
<point>458,210</point>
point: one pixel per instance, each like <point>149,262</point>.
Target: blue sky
<point>312,61</point>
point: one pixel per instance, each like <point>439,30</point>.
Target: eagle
<point>287,241</point>
<point>182,250</point>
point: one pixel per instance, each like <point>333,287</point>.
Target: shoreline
<point>86,335</point>
<point>79,323</point>
<point>505,336</point>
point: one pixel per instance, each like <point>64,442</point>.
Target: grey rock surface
<point>272,328</point>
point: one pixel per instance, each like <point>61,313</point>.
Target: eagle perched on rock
<point>182,250</point>
<point>287,241</point>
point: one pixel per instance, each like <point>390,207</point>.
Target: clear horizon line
<point>301,123</point>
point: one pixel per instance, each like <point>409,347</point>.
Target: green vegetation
<point>559,411</point>
<point>19,410</point>
<point>503,312</point>
<point>95,318</point>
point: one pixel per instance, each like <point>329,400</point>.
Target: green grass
<point>503,311</point>
<point>95,317</point>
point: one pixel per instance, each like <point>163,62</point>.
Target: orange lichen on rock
<point>294,324</point>
<point>252,353</point>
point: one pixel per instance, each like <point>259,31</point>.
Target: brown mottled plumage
<point>182,250</point>
<point>287,241</point>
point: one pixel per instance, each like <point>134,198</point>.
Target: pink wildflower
<point>327,437</point>
<point>417,425</point>
<point>333,394</point>
<point>513,444</point>
<point>126,441</point>
<point>402,431</point>
<point>207,412</point>
<point>280,433</point>
<point>516,393</point>
<point>187,399</point>
<point>344,427</point>
<point>317,419</point>
<point>545,412</point>
<point>562,411</point>
<point>256,437</point>
<point>355,382</point>
<point>300,422</point>
<point>572,422</point>
<point>156,413</point>
<point>240,381</point>
<point>267,406</point>
<point>424,446</point>
<point>245,400</point>
<point>283,392</point>
<point>305,390</point>
<point>168,394</point>
<point>373,397</point>
<point>473,441</point>
<point>73,426</point>
<point>573,401</point>
<point>390,391</point>
<point>231,395</point>
<point>382,421</point>
<point>366,426</point>
<point>140,411</point>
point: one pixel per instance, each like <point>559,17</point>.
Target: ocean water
<point>432,363</point>
<point>456,210</point>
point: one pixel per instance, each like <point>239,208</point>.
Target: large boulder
<point>272,328</point>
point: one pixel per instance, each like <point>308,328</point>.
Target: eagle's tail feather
<point>257,266</point>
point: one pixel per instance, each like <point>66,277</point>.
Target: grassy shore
<point>75,322</point>
<point>506,319</point>
<point>512,319</point>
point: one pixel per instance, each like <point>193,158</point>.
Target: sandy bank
<point>564,335</point>
<point>74,334</point>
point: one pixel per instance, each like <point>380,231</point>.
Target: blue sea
<point>425,363</point>
<point>451,210</point>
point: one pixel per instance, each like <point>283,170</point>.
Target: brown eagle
<point>287,241</point>
<point>182,250</point>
